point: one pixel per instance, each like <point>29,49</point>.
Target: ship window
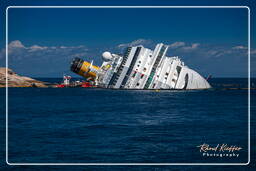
<point>173,80</point>
<point>154,85</point>
<point>134,74</point>
<point>150,55</point>
<point>138,65</point>
<point>139,61</point>
<point>145,69</point>
<point>167,73</point>
<point>178,68</point>
<point>186,81</point>
<point>138,84</point>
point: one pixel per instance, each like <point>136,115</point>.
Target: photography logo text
<point>220,150</point>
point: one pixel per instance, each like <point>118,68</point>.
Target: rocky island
<point>15,80</point>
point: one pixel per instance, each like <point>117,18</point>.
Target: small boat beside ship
<point>67,83</point>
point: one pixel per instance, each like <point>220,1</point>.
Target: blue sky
<point>97,27</point>
<point>216,38</point>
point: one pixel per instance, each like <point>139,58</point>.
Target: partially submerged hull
<point>141,68</point>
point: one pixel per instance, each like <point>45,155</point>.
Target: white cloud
<point>51,60</point>
<point>20,52</point>
<point>192,47</point>
<point>135,43</point>
<point>239,47</point>
<point>12,46</point>
<point>177,45</point>
<point>16,44</point>
<point>184,46</point>
<point>36,47</point>
<point>63,47</point>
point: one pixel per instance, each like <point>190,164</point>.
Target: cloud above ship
<point>184,46</point>
<point>149,43</point>
<point>177,45</point>
<point>144,42</point>
<point>42,60</point>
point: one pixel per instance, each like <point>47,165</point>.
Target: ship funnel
<point>84,69</point>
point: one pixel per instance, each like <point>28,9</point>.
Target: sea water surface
<point>79,125</point>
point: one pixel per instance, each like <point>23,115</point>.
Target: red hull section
<point>86,85</point>
<point>60,86</point>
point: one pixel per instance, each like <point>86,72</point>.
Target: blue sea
<point>81,125</point>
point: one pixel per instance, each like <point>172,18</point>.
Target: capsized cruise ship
<point>140,68</point>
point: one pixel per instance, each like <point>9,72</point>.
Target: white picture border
<point>249,77</point>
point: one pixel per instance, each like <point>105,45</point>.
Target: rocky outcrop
<point>15,80</point>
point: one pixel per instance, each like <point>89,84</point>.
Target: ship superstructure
<point>141,68</point>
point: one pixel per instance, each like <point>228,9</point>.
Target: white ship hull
<point>143,68</point>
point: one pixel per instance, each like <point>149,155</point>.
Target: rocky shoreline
<point>15,80</point>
